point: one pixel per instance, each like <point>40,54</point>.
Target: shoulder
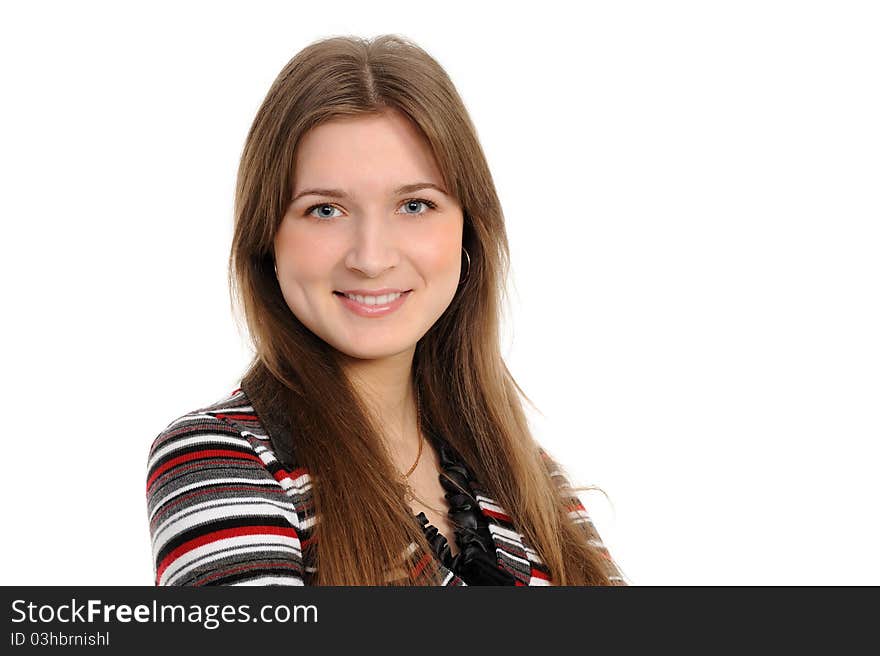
<point>188,440</point>
<point>207,425</point>
<point>217,514</point>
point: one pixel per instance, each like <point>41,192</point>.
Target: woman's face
<point>356,222</point>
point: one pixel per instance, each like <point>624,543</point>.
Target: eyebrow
<point>339,193</point>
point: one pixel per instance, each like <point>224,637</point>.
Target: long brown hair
<point>468,395</point>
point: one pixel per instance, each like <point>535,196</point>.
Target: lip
<point>372,311</point>
<point>374,292</point>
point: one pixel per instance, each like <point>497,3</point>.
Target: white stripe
<point>307,524</point>
<point>301,484</point>
<point>291,487</point>
<point>256,543</point>
<point>181,443</point>
<point>513,542</point>
<point>533,556</point>
<point>212,511</point>
<point>504,532</point>
<point>491,504</point>
<point>229,408</point>
<point>160,502</point>
<point>186,564</point>
<point>303,481</point>
<point>288,484</point>
<point>272,580</point>
<point>447,578</point>
<point>218,509</point>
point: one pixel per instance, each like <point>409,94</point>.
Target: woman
<point>377,437</point>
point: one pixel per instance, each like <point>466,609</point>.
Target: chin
<point>376,352</point>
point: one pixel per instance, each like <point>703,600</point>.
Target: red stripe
<point>222,534</point>
<point>207,453</point>
<point>538,574</point>
<point>299,471</point>
<point>497,515</point>
<point>421,565</point>
<point>240,415</point>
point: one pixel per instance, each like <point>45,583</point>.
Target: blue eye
<point>323,218</point>
<point>419,201</point>
<point>321,206</point>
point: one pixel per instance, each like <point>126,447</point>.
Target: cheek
<point>441,253</point>
<point>300,255</point>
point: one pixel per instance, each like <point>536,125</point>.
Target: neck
<point>385,385</point>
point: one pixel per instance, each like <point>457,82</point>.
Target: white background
<point>691,195</point>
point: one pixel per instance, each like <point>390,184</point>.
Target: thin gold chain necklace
<point>419,431</point>
<point>410,493</point>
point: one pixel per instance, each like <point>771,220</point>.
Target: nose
<point>374,245</point>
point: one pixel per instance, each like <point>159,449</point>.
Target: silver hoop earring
<point>468,272</point>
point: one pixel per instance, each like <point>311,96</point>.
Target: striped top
<point>224,510</point>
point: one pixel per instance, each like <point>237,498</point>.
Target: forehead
<point>374,150</point>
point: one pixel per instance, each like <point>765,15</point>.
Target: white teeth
<point>374,300</point>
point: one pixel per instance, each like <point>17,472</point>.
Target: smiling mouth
<point>341,294</point>
<point>373,306</point>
